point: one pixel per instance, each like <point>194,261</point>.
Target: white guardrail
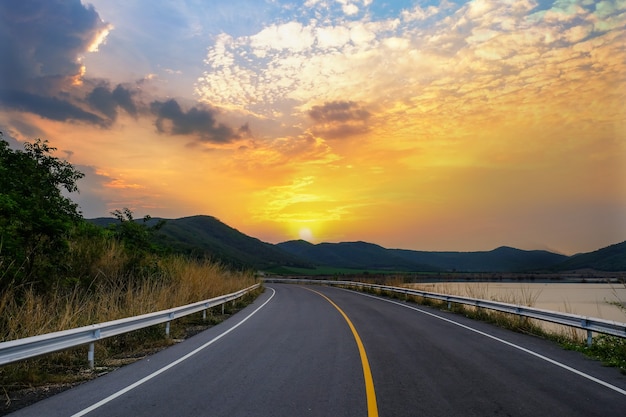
<point>590,324</point>
<point>28,347</point>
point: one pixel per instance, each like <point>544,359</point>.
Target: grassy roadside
<point>170,282</point>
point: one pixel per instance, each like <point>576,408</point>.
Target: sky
<point>427,125</point>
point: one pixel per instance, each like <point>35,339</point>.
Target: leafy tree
<point>35,217</point>
<point>137,237</point>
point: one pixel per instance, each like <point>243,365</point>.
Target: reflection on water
<point>593,300</point>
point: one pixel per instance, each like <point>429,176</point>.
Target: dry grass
<point>526,297</point>
<point>112,295</point>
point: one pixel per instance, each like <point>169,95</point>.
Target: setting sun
<point>306,234</point>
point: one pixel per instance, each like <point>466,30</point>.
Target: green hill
<point>206,236</point>
<point>610,258</point>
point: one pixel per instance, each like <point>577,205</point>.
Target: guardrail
<point>590,324</point>
<point>28,347</point>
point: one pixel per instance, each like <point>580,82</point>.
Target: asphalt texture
<point>292,353</point>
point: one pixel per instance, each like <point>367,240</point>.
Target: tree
<point>137,237</point>
<point>35,217</point>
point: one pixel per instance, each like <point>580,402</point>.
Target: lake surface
<point>593,300</point>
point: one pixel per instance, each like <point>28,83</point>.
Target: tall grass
<point>113,294</point>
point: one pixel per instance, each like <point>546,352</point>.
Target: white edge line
<point>171,365</point>
<point>530,352</point>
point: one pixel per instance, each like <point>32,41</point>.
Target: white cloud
<point>479,51</point>
<point>350,9</point>
<point>360,34</point>
<point>332,36</point>
<point>292,36</point>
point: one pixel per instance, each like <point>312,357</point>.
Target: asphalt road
<point>319,351</point>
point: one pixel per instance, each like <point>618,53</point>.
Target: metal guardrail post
<point>167,325</point>
<point>91,355</point>
<point>92,349</point>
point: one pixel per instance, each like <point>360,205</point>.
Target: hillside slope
<point>502,259</point>
<point>369,256</point>
<point>610,258</point>
<point>357,255</point>
<point>206,236</point>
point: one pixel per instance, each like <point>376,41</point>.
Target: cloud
<point>339,119</point>
<point>107,102</point>
<point>45,38</point>
<point>339,111</point>
<point>480,65</point>
<point>52,108</point>
<point>41,44</point>
<point>172,119</point>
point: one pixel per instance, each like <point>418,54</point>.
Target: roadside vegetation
<point>58,271</point>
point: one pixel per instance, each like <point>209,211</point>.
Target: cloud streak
<point>339,119</point>
<point>172,119</point>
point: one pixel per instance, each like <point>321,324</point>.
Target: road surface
<point>321,351</point>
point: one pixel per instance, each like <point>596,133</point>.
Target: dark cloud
<point>52,108</point>
<point>201,121</point>
<point>43,38</point>
<point>338,119</point>
<point>107,102</point>
<point>40,45</point>
<point>41,42</point>
<point>339,111</point>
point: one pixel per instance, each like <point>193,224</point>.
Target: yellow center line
<point>372,407</point>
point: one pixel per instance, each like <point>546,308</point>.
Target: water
<point>592,300</point>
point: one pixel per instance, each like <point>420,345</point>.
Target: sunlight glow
<point>306,234</point>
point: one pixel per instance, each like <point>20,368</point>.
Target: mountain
<point>207,236</point>
<point>369,256</point>
<point>502,259</point>
<point>358,255</point>
<point>610,258</point>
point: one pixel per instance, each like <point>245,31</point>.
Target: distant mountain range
<point>206,236</point>
<point>370,256</point>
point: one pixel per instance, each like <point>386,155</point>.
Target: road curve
<point>295,352</point>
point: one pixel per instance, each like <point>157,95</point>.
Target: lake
<point>591,299</point>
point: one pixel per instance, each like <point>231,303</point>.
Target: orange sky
<point>444,126</point>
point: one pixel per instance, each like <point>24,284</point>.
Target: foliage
<point>136,236</point>
<point>137,239</point>
<point>35,217</point>
<point>611,350</point>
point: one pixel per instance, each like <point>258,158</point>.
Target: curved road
<point>320,351</point>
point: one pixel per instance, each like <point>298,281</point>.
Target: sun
<point>306,234</point>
